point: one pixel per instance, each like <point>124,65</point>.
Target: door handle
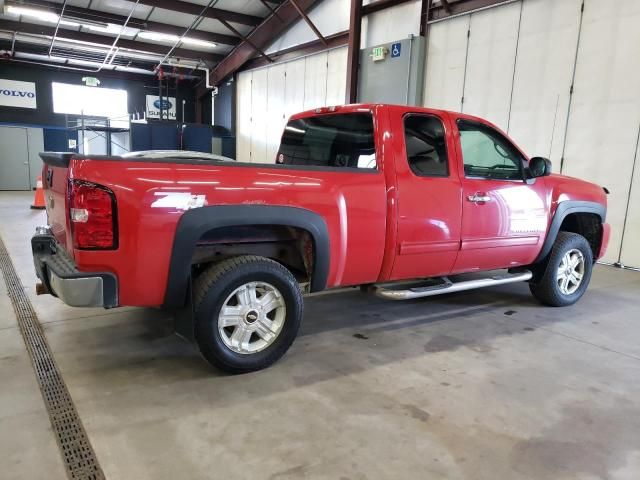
<point>479,198</point>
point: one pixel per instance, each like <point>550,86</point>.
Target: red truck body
<point>383,224</point>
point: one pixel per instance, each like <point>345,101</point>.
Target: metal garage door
<point>630,254</point>
<point>446,58</point>
<point>490,62</point>
<point>14,159</point>
<point>545,60</point>
<point>268,96</point>
<point>243,123</point>
<point>603,123</point>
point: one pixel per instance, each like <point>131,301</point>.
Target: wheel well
<point>293,247</point>
<point>589,225</point>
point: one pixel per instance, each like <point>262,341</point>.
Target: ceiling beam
<point>268,7</point>
<point>262,36</point>
<point>98,16</point>
<point>448,8</point>
<point>195,9</point>
<point>336,40</point>
<point>353,53</point>
<point>106,40</point>
<point>119,71</point>
<point>380,5</point>
<point>312,25</point>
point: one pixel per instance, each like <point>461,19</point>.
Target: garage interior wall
<point>563,81</point>
<point>268,96</point>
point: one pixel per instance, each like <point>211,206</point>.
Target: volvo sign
<point>17,94</point>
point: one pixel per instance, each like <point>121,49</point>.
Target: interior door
<point>429,196</point>
<point>504,218</point>
<point>14,159</point>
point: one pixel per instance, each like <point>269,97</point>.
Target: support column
<point>353,58</point>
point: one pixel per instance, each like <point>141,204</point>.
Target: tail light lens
<point>93,214</point>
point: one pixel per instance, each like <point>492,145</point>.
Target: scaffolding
<point>100,135</point>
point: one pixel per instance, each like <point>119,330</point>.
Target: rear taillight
<point>92,211</point>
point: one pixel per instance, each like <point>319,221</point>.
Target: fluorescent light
<point>42,15</point>
<point>111,28</point>
<point>197,42</point>
<point>158,37</point>
<point>166,37</point>
<point>88,23</point>
<point>30,12</point>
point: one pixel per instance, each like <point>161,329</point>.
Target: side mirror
<point>539,167</point>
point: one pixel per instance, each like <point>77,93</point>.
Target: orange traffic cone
<point>38,201</point>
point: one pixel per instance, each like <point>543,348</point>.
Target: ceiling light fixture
<point>166,37</point>
<point>42,15</point>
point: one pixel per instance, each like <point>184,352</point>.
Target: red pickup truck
<point>358,195</point>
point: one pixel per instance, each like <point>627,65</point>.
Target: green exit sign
<point>378,53</point>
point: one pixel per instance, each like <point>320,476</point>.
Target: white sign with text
<point>17,94</point>
<point>168,105</point>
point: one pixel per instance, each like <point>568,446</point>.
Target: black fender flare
<point>563,210</point>
<point>195,222</point>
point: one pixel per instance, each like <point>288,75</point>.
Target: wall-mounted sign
<point>168,105</point>
<point>378,53</point>
<point>91,81</point>
<point>396,50</point>
<point>17,94</point>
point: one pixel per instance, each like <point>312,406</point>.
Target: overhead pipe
<point>55,33</point>
<point>197,19</point>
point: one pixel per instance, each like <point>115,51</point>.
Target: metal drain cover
<point>77,453</point>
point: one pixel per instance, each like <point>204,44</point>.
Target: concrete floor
<point>478,385</point>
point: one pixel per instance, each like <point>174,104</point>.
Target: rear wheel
<point>567,272</point>
<point>247,313</point>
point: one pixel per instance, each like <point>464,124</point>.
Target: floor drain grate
<point>77,453</point>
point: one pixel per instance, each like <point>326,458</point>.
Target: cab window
<point>334,141</point>
<point>488,154</point>
<point>426,145</point>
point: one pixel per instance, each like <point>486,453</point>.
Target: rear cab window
<point>340,141</point>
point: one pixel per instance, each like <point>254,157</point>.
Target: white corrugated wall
<point>268,96</point>
<point>515,65</point>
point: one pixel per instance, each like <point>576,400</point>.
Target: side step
<point>449,287</point>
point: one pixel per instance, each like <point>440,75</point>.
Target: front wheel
<point>248,311</point>
<point>567,271</point>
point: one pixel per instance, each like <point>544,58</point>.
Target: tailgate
<point>55,183</point>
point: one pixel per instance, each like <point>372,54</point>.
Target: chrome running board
<point>447,286</point>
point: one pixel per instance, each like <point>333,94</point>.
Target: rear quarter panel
<point>151,199</point>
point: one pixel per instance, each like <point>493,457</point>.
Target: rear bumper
<point>61,277</point>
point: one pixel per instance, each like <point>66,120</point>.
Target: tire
<point>254,336</point>
<point>551,287</point>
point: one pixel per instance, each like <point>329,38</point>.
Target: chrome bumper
<point>61,277</point>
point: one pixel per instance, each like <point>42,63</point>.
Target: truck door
<point>428,195</point>
<point>504,217</point>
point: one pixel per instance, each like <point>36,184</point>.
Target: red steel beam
<point>272,27</point>
<point>353,55</point>
<point>312,25</point>
<point>379,5</point>
<point>457,7</point>
<point>315,46</point>
<point>195,9</point>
